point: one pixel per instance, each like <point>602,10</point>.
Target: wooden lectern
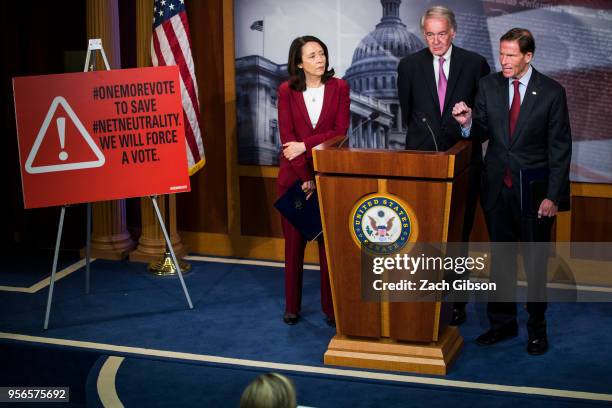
<point>399,336</point>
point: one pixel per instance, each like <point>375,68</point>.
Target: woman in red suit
<point>313,107</point>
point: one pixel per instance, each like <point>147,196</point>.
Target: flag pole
<point>170,37</point>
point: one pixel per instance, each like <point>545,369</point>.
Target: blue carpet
<point>238,311</point>
<point>15,272</point>
<point>28,365</point>
<point>149,383</point>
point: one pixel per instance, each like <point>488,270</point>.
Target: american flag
<point>171,45</point>
<point>257,25</point>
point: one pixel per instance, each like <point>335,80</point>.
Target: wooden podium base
<point>387,354</point>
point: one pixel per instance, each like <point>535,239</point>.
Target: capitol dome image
<point>372,76</point>
<point>373,73</point>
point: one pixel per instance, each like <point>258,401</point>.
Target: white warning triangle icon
<point>60,100</point>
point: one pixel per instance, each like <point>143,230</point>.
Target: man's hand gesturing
<point>462,114</point>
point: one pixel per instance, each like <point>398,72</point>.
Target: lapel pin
<point>534,93</point>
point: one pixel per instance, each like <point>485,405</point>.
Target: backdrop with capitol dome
<point>366,40</point>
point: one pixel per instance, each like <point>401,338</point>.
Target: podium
<point>431,187</point>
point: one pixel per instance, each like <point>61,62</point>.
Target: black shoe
<point>537,346</point>
<point>459,317</point>
<point>291,319</point>
<point>494,336</point>
<point>330,321</point>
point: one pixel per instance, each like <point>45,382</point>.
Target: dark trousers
<point>507,225</point>
<point>294,271</point>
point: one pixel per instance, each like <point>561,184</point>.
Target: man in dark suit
<point>429,83</point>
<point>524,115</point>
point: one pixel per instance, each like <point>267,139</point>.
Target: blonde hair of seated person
<point>269,390</point>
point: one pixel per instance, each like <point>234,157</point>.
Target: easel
<point>96,45</point>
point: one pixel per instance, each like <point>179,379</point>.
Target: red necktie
<point>515,109</point>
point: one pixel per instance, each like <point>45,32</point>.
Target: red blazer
<point>295,126</point>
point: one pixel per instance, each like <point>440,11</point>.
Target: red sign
<point>100,135</point>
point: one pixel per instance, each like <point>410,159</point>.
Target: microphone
<point>373,116</point>
<point>423,119</point>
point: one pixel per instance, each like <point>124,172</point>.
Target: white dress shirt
<point>446,66</point>
<point>313,98</point>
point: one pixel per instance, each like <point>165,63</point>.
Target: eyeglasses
<point>441,36</point>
